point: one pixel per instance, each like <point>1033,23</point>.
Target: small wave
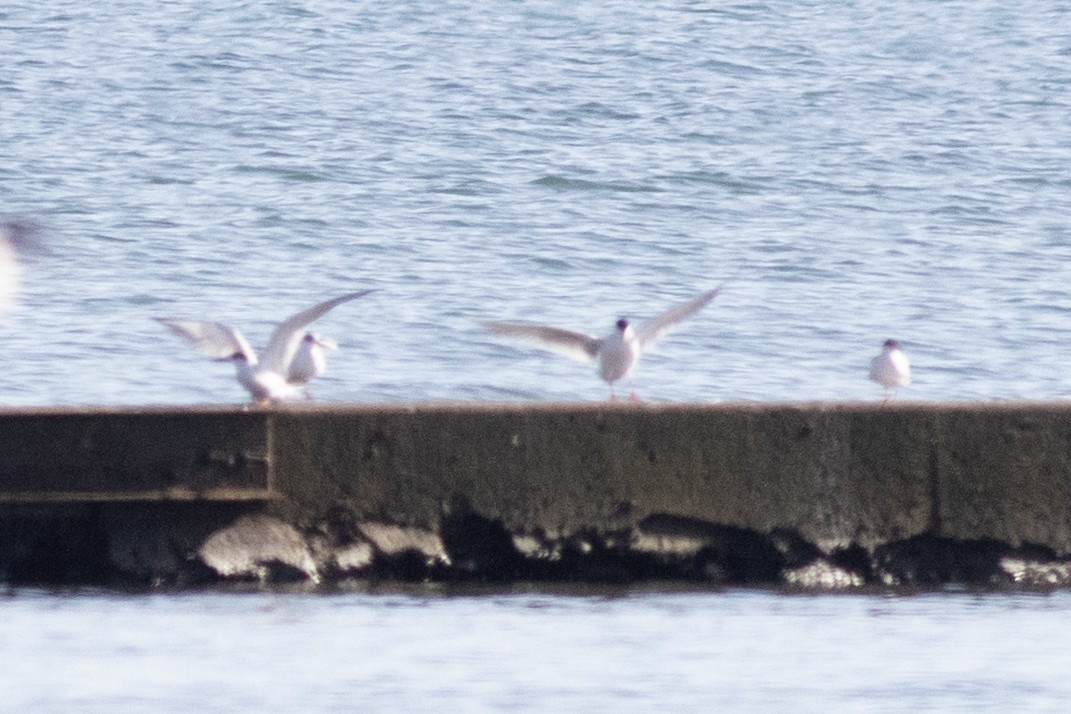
<point>168,180</point>
<point>731,69</point>
<point>568,184</point>
<point>288,174</point>
<point>604,111</point>
<point>715,178</point>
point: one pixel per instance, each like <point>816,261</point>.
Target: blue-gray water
<point>532,651</point>
<point>852,171</point>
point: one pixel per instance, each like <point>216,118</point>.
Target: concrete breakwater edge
<point>814,495</point>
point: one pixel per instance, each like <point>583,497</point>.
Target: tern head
<point>622,325</point>
<point>311,338</point>
<point>891,345</point>
<point>21,234</point>
<point>238,356</point>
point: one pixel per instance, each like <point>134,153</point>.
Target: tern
<point>272,378</point>
<point>617,352</point>
<point>891,369</point>
<point>15,236</point>
<point>309,361</point>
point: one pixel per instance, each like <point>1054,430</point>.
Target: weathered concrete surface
<point>1004,473</point>
<point>838,475</point>
<point>810,495</point>
<point>82,454</point>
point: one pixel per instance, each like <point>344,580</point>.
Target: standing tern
<point>269,379</point>
<point>891,369</point>
<point>617,352</point>
<point>309,361</point>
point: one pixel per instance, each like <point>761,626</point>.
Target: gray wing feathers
<point>657,326</point>
<point>212,339</point>
<point>286,338</point>
<point>571,344</point>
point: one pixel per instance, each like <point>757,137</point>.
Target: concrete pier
<point>809,495</point>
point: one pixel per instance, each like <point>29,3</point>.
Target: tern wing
<point>213,339</point>
<point>652,329</point>
<point>286,338</point>
<point>574,345</point>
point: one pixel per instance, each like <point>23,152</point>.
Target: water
<point>852,171</point>
<point>621,651</point>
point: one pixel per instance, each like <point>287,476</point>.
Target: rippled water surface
<point>532,651</point>
<point>852,171</point>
